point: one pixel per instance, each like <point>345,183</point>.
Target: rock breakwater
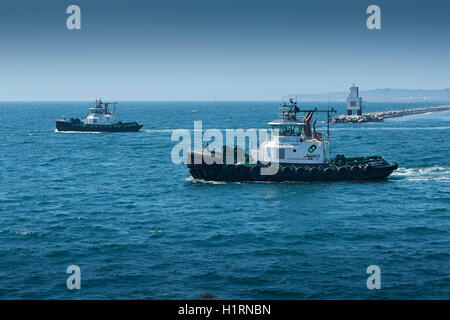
<point>381,115</point>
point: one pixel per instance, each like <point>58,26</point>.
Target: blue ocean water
<point>139,228</point>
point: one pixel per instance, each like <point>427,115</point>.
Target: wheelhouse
<point>287,128</point>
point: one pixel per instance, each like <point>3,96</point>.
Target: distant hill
<point>383,95</point>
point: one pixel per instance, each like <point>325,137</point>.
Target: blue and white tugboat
<point>297,149</point>
<point>99,119</point>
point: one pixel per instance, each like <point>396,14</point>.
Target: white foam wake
<point>94,132</point>
<point>423,174</point>
<point>191,179</point>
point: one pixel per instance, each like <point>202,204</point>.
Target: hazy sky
<point>223,49</point>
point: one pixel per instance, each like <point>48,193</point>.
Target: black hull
<point>63,125</point>
<point>352,171</point>
<point>230,173</point>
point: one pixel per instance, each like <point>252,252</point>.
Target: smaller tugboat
<point>99,119</point>
<point>299,151</point>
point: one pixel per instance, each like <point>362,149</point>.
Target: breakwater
<point>381,115</point>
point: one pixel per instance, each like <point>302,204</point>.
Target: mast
<point>328,131</point>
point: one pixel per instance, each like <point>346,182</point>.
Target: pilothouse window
<point>290,130</point>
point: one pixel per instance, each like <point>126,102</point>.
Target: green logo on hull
<point>312,148</point>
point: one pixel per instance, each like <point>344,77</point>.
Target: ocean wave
<point>170,130</point>
<point>157,130</point>
<point>429,179</point>
<point>441,173</point>
<point>29,233</point>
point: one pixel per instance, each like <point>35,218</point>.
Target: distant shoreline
<point>379,116</point>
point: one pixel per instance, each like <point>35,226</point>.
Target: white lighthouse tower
<point>354,101</point>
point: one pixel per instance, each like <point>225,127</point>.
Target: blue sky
<point>228,50</point>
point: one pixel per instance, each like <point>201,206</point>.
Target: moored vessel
<point>296,152</point>
<point>99,119</point>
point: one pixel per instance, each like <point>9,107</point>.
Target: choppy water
<point>138,227</point>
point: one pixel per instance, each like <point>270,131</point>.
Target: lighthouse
<point>354,101</point>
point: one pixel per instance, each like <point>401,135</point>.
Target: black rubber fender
<point>255,173</point>
<point>241,171</point>
<point>287,172</point>
<point>212,172</point>
<point>355,169</point>
<point>300,172</point>
<point>194,174</point>
<point>342,170</point>
<point>202,173</point>
<point>329,171</point>
<point>229,168</point>
<point>314,171</point>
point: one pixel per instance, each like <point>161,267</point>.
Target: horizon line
<point>237,100</point>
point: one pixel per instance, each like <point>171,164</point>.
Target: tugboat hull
<point>229,173</point>
<point>74,125</point>
<point>368,168</point>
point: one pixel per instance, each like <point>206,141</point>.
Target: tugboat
<point>297,150</point>
<point>99,119</point>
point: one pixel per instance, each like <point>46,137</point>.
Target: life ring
<point>318,135</point>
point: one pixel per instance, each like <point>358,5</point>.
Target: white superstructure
<point>100,115</point>
<point>293,141</point>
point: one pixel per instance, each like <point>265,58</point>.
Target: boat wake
<point>95,132</point>
<point>193,180</point>
<point>157,130</point>
<point>435,173</point>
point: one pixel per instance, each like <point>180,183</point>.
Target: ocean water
<point>140,228</point>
